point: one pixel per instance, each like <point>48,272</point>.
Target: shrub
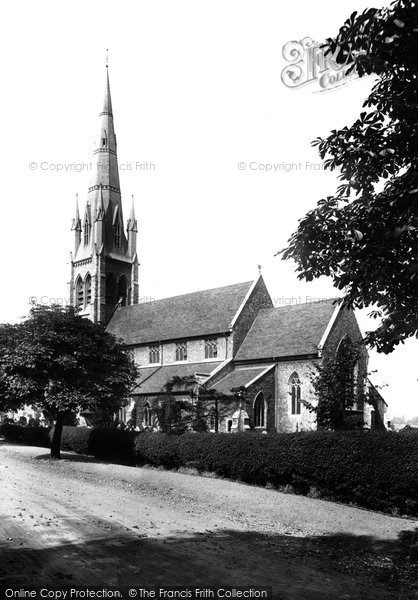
<point>116,444</point>
<point>75,439</point>
<point>375,470</point>
<point>112,444</point>
<point>30,436</point>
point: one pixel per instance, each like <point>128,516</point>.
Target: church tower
<point>104,265</point>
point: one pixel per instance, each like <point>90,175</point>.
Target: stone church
<point>225,339</point>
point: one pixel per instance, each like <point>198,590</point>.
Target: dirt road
<point>82,522</point>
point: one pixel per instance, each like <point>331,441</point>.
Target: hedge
<point>376,470</point>
<point>30,436</point>
<point>111,444</point>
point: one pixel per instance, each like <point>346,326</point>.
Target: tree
<point>188,405</point>
<point>337,389</point>
<point>61,363</point>
<point>174,413</point>
<point>366,236</point>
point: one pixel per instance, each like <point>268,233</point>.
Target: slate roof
<point>153,379</point>
<point>198,314</point>
<point>292,330</point>
<point>239,377</point>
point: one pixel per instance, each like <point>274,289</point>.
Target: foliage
<point>61,363</point>
<point>366,236</point>
<point>132,423</point>
<point>374,470</point>
<point>108,443</point>
<point>336,389</point>
<point>189,405</point>
<point>29,436</point>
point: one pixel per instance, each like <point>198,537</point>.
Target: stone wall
<point>285,421</point>
<point>195,352</point>
<point>346,325</point>
<point>267,386</point>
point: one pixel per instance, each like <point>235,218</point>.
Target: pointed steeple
<point>105,251</point>
<point>105,156</point>
<point>132,224</point>
<point>132,229</point>
<point>107,103</point>
<point>76,226</point>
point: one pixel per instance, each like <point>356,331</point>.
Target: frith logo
<point>309,63</point>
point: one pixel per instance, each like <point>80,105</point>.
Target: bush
<point>75,439</point>
<point>30,436</point>
<point>112,444</point>
<point>375,470</point>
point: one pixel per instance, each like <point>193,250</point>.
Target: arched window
<point>79,293</point>
<point>355,386</point>
<point>87,289</point>
<point>148,421</point>
<point>87,230</point>
<point>259,411</point>
<point>212,419</point>
<point>347,361</point>
<point>295,393</point>
<point>116,235</point>
<point>211,348</point>
<point>122,289</point>
<point>111,291</point>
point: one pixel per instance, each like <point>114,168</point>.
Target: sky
<point>196,92</point>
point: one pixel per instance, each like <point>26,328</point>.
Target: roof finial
<point>107,58</point>
<point>259,269</point>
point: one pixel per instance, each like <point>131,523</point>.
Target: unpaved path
<point>82,522</point>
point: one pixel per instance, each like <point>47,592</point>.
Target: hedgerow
<point>109,443</point>
<point>30,436</point>
<point>374,470</point>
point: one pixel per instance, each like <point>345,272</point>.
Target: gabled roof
<point>190,315</point>
<point>292,330</point>
<point>240,377</point>
<point>153,379</point>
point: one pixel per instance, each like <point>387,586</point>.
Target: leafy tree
<point>131,424</point>
<point>366,236</point>
<point>174,412</point>
<point>336,389</point>
<point>189,405</point>
<point>61,363</point>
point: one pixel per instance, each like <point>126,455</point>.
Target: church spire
<point>107,102</point>
<point>132,229</point>
<point>76,226</point>
<point>132,222</point>
<point>107,258</point>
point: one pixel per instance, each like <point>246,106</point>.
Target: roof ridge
<point>321,301</point>
<point>222,287</point>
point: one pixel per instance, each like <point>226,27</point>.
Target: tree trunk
<point>56,438</point>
